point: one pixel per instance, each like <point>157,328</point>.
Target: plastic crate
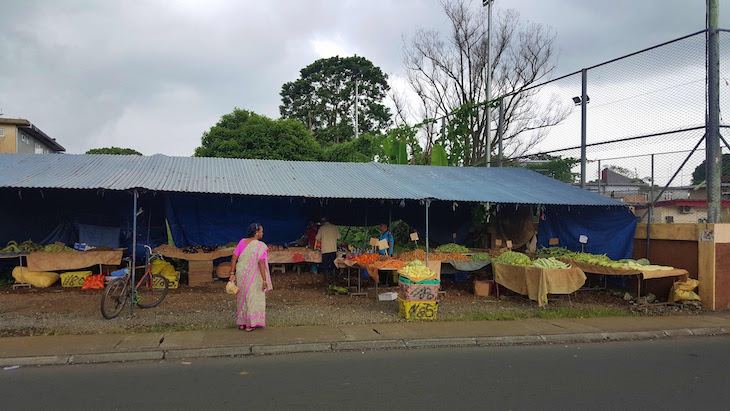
<point>417,310</point>
<point>173,281</point>
<point>74,278</point>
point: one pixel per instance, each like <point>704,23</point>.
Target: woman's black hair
<point>253,229</point>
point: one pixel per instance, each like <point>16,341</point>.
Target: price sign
<point>509,243</point>
<point>554,241</point>
<point>498,242</point>
<point>454,236</point>
<point>373,241</point>
<point>583,239</point>
<point>414,236</point>
<point>383,244</point>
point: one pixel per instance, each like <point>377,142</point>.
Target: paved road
<point>668,374</point>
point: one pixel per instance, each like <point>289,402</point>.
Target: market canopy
<point>290,179</point>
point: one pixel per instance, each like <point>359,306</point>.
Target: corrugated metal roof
<point>289,178</point>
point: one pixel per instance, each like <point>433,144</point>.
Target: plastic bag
<point>684,291</point>
<point>94,282</point>
<point>231,288</point>
<point>40,279</point>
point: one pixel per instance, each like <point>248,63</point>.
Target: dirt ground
<point>298,299</point>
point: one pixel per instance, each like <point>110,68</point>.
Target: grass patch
<point>549,313</point>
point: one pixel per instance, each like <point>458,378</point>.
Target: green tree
<point>323,98</point>
<point>558,168</point>
<point>361,150</point>
<point>114,150</point>
<point>700,173</point>
<point>244,134</point>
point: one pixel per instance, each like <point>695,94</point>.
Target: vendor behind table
<point>328,235</point>
<point>386,235</point>
<point>310,234</point>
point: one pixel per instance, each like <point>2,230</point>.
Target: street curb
<point>342,346</point>
<point>575,338</point>
<point>441,342</point>
<point>635,335</point>
<point>516,340</point>
<point>291,348</point>
<point>708,331</point>
<point>682,332</point>
<point>368,345</point>
<point>40,360</point>
<point>208,352</point>
<point>116,357</point>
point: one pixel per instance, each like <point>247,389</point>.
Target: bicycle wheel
<point>151,290</point>
<point>114,299</point>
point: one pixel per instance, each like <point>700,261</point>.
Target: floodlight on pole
<point>577,100</point>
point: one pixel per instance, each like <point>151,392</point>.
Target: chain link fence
<point>644,128</point>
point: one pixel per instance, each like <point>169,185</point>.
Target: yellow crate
<point>74,278</point>
<point>417,310</point>
<point>173,280</point>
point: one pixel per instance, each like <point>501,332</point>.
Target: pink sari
<point>251,307</point>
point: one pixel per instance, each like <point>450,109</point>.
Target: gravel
<point>298,299</point>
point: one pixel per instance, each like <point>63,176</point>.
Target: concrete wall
<point>703,249</point>
<point>27,144</point>
<point>7,143</point>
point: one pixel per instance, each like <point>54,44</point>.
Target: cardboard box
<point>390,296</point>
<point>484,288</point>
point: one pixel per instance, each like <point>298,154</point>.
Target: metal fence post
<point>600,176</point>
<point>583,102</point>
<point>712,123</point>
<point>500,128</point>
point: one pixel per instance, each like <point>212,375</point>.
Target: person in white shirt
<point>328,235</point>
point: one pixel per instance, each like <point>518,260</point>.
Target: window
<point>38,148</point>
<point>25,139</point>
<point>2,132</point>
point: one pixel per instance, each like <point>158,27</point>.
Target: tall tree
<point>447,73</point>
<point>323,98</point>
<point>244,134</point>
<point>114,150</point>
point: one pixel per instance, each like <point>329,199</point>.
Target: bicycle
<point>149,292</point>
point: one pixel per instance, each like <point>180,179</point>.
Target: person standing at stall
<point>250,272</point>
<point>310,234</point>
<point>386,235</point>
<point>328,235</point>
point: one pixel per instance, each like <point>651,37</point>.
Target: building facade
<point>20,136</point>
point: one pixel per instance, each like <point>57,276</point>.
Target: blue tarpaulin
<point>201,219</point>
<point>610,230</point>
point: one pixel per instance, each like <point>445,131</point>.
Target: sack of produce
<point>684,291</point>
<point>40,279</point>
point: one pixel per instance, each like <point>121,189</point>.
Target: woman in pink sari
<point>250,271</point>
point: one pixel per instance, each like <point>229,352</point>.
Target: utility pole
<point>488,68</point>
<point>583,115</point>
<point>357,96</point>
<point>712,123</point>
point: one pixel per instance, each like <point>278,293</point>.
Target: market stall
<point>72,260</point>
<point>537,282</point>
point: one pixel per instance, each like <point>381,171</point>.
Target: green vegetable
<point>513,258</point>
<point>452,248</point>
<point>480,257</point>
<point>551,263</point>
<point>551,252</point>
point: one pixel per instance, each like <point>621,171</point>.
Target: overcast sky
<point>153,75</point>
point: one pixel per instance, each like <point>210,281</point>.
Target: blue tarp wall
<point>610,230</point>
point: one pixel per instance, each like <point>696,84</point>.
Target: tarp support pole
<point>134,247</point>
<point>428,203</point>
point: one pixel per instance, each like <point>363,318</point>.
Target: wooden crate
<point>200,272</point>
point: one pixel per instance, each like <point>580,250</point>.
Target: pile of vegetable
<point>365,259</point>
<point>452,248</point>
<point>24,247</point>
<point>53,248</point>
<point>551,263</point>
<point>513,258</point>
<point>449,257</point>
<point>552,252</point>
<point>602,260</point>
<point>389,263</point>
<point>416,270</point>
<point>480,257</point>
<point>413,255</point>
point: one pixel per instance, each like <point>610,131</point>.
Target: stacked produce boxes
<point>417,292</point>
